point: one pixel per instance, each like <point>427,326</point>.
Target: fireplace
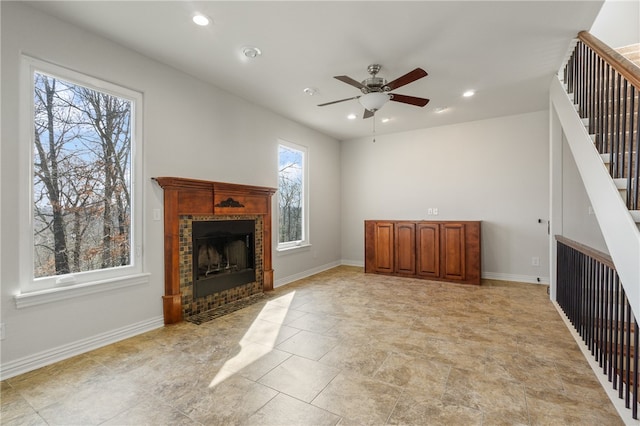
<point>190,201</point>
<point>224,255</point>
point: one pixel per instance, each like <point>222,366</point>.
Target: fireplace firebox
<point>223,255</point>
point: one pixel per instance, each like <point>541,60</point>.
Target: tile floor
<point>341,347</point>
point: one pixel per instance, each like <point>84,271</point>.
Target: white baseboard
<point>304,274</point>
<point>485,275</point>
<point>348,262</point>
<point>50,356</point>
<point>516,278</point>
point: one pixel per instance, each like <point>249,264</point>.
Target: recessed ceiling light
<point>440,110</point>
<point>310,91</point>
<point>200,19</point>
<point>385,120</point>
<point>251,52</point>
<point>351,116</point>
<point>469,93</point>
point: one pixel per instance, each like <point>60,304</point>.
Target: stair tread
<point>621,183</point>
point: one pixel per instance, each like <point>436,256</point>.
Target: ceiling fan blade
<point>341,100</point>
<point>409,77</point>
<point>349,80</point>
<point>367,114</point>
<point>412,100</point>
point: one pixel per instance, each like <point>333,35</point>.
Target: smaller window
<point>292,198</point>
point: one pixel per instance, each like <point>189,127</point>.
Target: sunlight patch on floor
<point>259,339</point>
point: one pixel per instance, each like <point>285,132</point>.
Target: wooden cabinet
<point>428,250</point>
<point>405,248</point>
<point>447,251</point>
<point>383,238</point>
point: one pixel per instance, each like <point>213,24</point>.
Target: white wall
<point>492,170</point>
<point>579,222</point>
<point>191,129</point>
<point>618,23</point>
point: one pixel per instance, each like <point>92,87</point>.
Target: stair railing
<point>605,86</point>
<point>592,297</point>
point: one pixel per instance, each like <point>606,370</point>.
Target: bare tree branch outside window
<point>290,194</point>
<point>81,178</point>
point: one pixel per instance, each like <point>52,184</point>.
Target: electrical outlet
<point>156,214</point>
<point>429,211</point>
<point>535,261</point>
<point>435,211</point>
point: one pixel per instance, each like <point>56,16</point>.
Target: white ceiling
<point>505,50</point>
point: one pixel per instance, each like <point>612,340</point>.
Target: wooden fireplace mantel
<point>198,197</point>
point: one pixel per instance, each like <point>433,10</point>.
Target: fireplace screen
<point>224,255</point>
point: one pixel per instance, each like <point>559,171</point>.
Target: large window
<point>83,178</point>
<point>292,205</point>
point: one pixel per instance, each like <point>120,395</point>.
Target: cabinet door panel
<point>406,248</point>
<point>384,247</point>
<point>428,249</point>
<point>453,241</point>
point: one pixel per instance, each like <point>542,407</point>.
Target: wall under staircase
<point>619,229</point>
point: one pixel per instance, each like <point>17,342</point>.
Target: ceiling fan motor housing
<point>374,84</point>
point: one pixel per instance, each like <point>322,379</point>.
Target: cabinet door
<point>405,248</point>
<point>384,258</point>
<point>453,251</point>
<point>428,249</point>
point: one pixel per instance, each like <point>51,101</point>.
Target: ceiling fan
<point>376,90</point>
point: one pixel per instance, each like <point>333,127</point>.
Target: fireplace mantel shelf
<point>184,196</point>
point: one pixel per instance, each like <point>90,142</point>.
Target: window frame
<point>102,279</point>
<point>305,241</point>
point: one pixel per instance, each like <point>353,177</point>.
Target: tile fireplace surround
<point>188,200</point>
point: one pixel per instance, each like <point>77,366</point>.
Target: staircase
<point>597,104</point>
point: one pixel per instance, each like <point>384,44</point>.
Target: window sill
<point>41,297</point>
<point>293,249</point>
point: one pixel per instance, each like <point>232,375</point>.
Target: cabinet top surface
<point>422,221</point>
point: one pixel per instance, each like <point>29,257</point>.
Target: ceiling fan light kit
<point>374,101</point>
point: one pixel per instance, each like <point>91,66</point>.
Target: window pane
<point>290,194</point>
<point>81,178</point>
